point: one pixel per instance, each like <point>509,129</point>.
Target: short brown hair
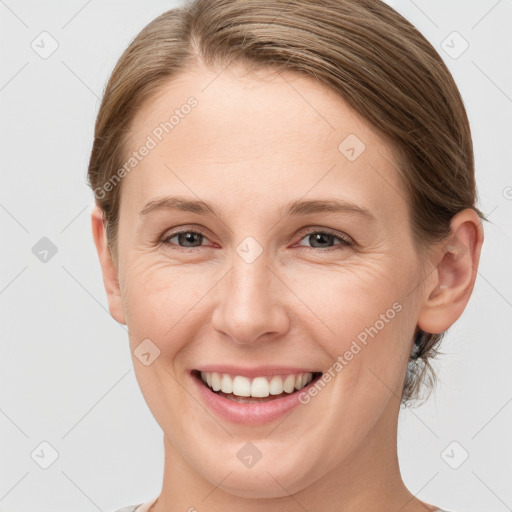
<point>364,50</point>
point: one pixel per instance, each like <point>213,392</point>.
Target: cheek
<point>163,301</point>
<point>364,319</point>
<point>160,300</point>
<point>351,297</point>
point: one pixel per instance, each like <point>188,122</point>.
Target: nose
<point>250,303</point>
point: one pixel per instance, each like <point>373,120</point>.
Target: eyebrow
<point>322,206</point>
<point>298,207</point>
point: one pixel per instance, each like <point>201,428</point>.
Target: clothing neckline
<point>144,507</point>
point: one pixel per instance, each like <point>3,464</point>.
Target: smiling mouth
<point>255,390</point>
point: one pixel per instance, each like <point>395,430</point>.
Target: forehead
<point>264,132</point>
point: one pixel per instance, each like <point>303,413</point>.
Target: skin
<point>256,141</point>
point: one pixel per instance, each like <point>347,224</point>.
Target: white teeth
<point>259,387</point>
<point>289,384</point>
<point>241,386</point>
<point>226,385</point>
<point>276,385</point>
<point>215,381</point>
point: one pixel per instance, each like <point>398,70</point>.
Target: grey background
<point>66,373</point>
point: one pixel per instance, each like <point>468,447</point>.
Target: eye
<point>320,239</point>
<point>187,237</point>
<point>323,239</point>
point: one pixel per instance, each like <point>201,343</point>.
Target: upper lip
<point>255,371</point>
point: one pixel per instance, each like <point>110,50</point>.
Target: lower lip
<point>248,413</point>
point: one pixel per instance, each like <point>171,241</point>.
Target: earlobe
<point>108,267</point>
<point>453,279</point>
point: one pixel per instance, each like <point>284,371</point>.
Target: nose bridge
<point>250,276</point>
<point>249,304</point>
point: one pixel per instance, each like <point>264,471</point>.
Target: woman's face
<point>269,285</point>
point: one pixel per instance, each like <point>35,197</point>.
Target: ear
<point>450,284</point>
<point>108,267</point>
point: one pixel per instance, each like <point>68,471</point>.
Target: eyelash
<point>344,240</point>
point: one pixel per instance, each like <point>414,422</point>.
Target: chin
<point>247,487</point>
<point>262,481</point>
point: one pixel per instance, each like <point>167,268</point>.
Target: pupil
<point>189,237</point>
<point>321,237</point>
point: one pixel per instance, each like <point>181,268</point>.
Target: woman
<point>286,221</point>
